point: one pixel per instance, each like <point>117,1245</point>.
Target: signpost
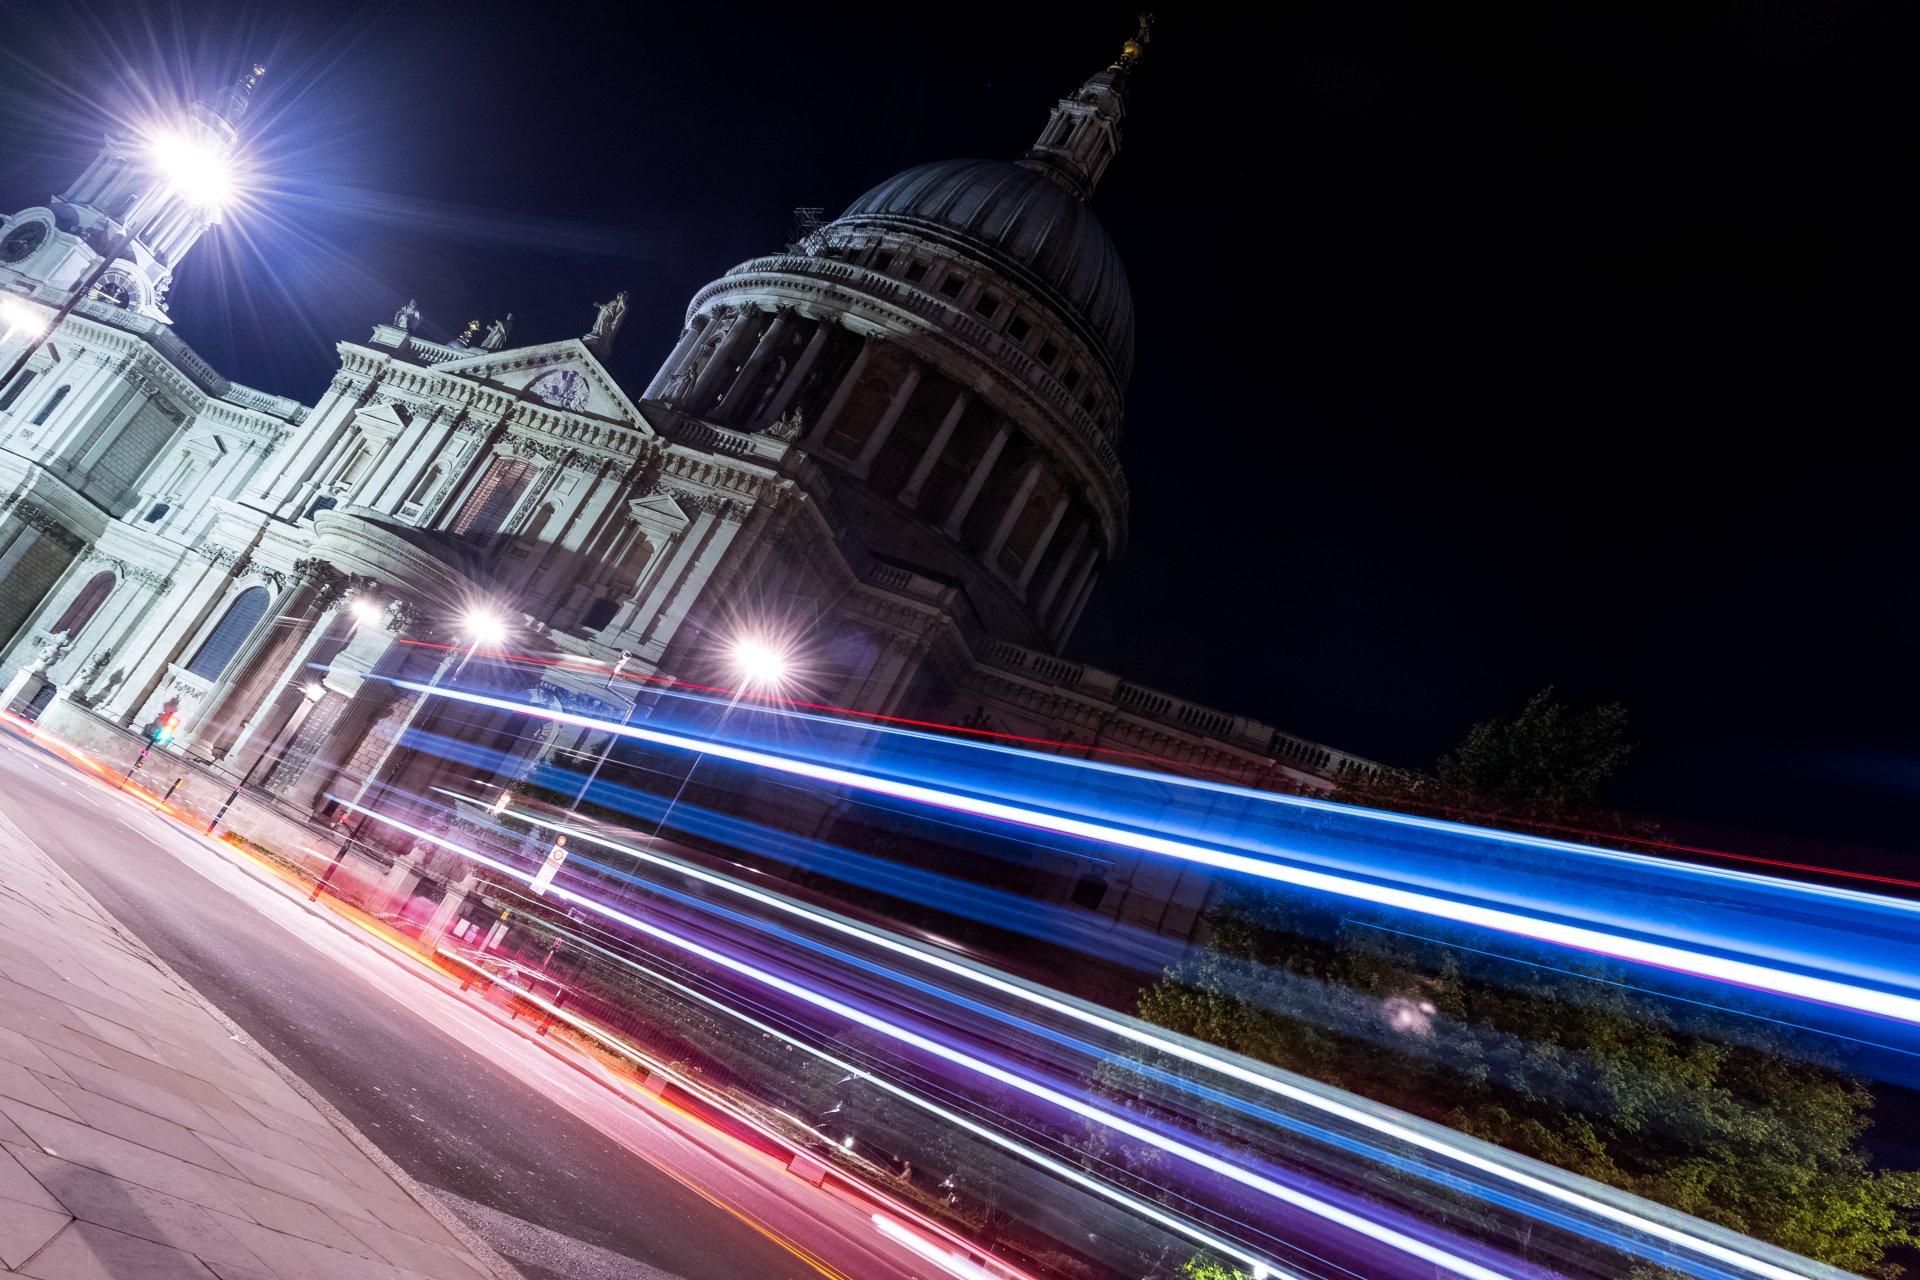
<point>551,867</point>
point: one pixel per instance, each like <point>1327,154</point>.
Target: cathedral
<point>892,444</point>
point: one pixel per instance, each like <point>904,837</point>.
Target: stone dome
<point>1022,223</point>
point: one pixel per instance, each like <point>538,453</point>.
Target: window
<point>1048,353</point>
<point>1018,328</point>
<point>220,648</point>
<point>1086,402</point>
<point>1072,379</point>
<point>917,271</point>
<point>319,505</point>
<point>883,261</point>
<point>12,393</point>
<point>986,305</point>
<point>600,613</point>
<point>493,499</point>
<point>157,513</point>
<point>53,402</point>
<point>953,284</point>
<point>86,604</point>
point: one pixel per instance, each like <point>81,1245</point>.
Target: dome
<point>1024,224</point>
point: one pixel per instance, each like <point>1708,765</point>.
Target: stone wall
<point>204,788</point>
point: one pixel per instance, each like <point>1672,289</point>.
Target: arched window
<point>12,393</point>
<point>219,648</point>
<point>53,402</point>
<point>157,513</point>
<point>86,604</point>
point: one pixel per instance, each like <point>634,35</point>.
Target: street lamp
<point>188,167</point>
<point>759,665</point>
<point>313,692</point>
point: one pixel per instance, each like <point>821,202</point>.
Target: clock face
<point>563,389</point>
<point>22,241</point>
<point>115,287</point>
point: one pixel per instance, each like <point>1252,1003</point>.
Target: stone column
<point>910,496</point>
<point>683,348</point>
<point>1011,515</point>
<point>276,670</point>
<point>1059,575</point>
<point>1073,616</point>
<point>797,376</point>
<point>888,420</point>
<point>981,470</point>
<point>767,348</point>
<point>380,486</point>
<point>1040,543</point>
<point>720,369</point>
<point>1068,608</point>
<point>842,393</point>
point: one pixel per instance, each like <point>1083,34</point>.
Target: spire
<point>1083,133</point>
<point>230,104</point>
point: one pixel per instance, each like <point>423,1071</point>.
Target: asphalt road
<point>553,1170</point>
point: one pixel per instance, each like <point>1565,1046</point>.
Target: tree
<point>1712,1114</point>
<point>1547,766</point>
<point>1726,1118</point>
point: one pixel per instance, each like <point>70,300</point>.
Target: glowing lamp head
<point>758,664</point>
<point>18,317</point>
<point>365,611</point>
<point>192,167</point>
<point>484,627</point>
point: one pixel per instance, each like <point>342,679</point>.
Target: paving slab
<point>143,1134</point>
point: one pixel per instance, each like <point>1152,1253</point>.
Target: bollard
<point>170,790</point>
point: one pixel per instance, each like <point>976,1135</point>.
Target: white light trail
<point>1175,1147</point>
<point>1745,973</point>
<point>1436,1144</point>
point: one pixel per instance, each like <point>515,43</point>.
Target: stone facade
<point>895,443</point>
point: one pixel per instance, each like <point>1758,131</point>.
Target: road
<point>553,1170</point>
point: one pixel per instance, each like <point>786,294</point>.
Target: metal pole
<point>242,784</point>
<point>632,706</point>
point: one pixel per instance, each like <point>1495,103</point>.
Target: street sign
<point>551,867</point>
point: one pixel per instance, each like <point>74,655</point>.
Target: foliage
<point>1725,1118</point>
<point>1731,1124</point>
<point>1206,1267</point>
<point>1546,765</point>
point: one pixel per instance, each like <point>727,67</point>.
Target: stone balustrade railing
<point>163,338</point>
<point>1164,708</point>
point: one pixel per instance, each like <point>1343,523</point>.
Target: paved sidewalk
<point>141,1135</point>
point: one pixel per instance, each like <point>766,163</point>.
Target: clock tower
<point>146,198</point>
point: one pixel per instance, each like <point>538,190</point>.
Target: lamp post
<point>190,168</point>
<point>626,656</point>
<point>758,665</point>
<point>313,692</point>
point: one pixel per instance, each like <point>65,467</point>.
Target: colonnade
<point>726,357</point>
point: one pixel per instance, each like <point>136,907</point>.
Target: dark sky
<point>1480,348</point>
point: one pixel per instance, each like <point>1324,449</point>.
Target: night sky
<point>1479,348</point>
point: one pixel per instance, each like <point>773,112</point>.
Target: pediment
<point>659,510</point>
<point>561,375</point>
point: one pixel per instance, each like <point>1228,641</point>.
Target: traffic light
<point>164,727</point>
